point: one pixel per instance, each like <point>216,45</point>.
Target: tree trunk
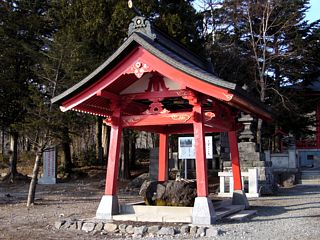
<point>126,155</point>
<point>2,142</point>
<point>34,179</point>
<point>260,121</point>
<point>132,152</point>
<point>67,164</point>
<point>105,141</point>
<point>259,134</point>
<point>99,149</point>
<point>13,154</point>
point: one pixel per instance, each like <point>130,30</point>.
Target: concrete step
<point>310,177</point>
<point>222,203</point>
<point>242,215</point>
<point>310,174</point>
<point>141,213</point>
<point>228,210</point>
<point>310,181</point>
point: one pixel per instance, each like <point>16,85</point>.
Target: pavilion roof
<point>143,35</point>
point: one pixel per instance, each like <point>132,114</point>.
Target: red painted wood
<point>201,160</point>
<point>141,55</point>
<point>170,72</point>
<point>157,119</point>
<point>240,103</point>
<point>108,95</point>
<point>92,110</point>
<point>153,95</point>
<point>156,83</point>
<point>234,154</point>
<point>163,157</point>
<point>224,125</point>
<point>122,67</point>
<point>114,153</point>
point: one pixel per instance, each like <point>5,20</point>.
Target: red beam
<point>108,95</point>
<point>155,95</point>
<point>158,119</point>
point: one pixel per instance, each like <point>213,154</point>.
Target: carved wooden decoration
<point>156,83</point>
<point>139,69</point>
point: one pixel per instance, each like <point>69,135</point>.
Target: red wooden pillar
<point>234,153</point>
<point>114,153</point>
<point>163,157</point>
<point>201,160</point>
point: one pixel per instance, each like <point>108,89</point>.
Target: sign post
<point>49,166</point>
<point>186,148</point>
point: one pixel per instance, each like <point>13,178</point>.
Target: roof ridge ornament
<point>142,25</point>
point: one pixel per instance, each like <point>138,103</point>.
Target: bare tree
<point>254,43</point>
<point>39,128</point>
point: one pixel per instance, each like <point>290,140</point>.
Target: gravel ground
<point>293,214</point>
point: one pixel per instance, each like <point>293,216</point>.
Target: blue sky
<point>314,11</point>
<point>312,15</point>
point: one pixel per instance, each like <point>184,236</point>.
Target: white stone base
<point>239,198</point>
<point>248,195</point>
<point>46,180</point>
<point>108,206</point>
<point>203,212</point>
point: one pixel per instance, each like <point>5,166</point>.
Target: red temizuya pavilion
<point>153,83</point>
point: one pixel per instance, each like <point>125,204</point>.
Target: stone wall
<point>123,230</point>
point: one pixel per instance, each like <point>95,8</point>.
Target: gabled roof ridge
<point>156,49</point>
<point>96,72</point>
<point>146,27</point>
<point>181,63</point>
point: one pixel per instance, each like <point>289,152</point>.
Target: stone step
<point>140,213</point>
<point>310,181</point>
<point>316,172</point>
<point>242,215</point>
<point>228,210</point>
<point>222,203</point>
<point>307,177</point>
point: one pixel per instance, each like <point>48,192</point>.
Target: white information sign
<point>187,147</point>
<point>49,166</point>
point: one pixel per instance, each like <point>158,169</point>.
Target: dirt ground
<point>79,199</point>
<point>76,199</point>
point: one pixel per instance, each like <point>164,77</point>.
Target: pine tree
<point>260,44</point>
<point>22,29</point>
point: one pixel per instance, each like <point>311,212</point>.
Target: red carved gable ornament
<point>156,82</point>
<point>139,68</point>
